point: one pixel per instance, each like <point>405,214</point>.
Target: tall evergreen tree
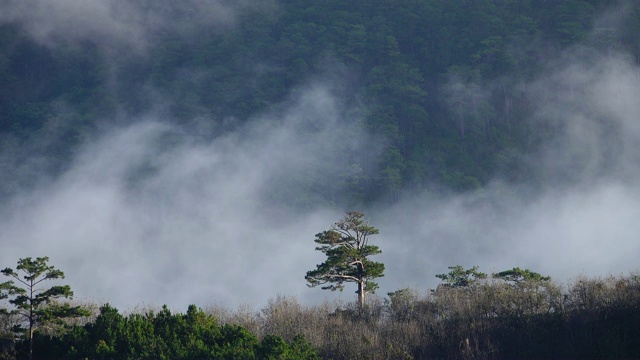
<point>347,248</point>
<point>33,303</point>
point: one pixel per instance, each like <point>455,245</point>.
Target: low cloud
<point>122,23</point>
<point>575,215</point>
<point>149,214</point>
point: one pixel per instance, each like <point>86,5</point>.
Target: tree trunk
<point>30,342</point>
<point>31,321</point>
<point>360,296</point>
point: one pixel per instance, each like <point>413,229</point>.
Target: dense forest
<point>444,88</point>
<point>412,99</point>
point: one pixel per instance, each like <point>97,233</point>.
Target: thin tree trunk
<point>30,342</point>
<point>360,296</point>
<point>31,326</point>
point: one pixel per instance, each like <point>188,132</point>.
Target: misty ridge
<point>179,153</point>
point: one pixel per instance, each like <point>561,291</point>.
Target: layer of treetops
<point>515,313</point>
<point>399,62</point>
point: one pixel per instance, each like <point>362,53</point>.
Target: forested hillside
<point>185,152</point>
<point>446,89</point>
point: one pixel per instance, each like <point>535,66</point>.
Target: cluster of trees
<point>516,313</point>
<point>419,69</point>
<point>519,314</point>
<point>511,314</point>
<point>110,335</point>
<point>163,335</point>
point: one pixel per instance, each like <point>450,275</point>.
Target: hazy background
<point>151,213</point>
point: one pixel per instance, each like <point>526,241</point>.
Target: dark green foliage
<point>274,347</point>
<point>440,82</point>
<point>459,277</point>
<point>347,248</point>
<point>163,335</point>
<point>517,275</point>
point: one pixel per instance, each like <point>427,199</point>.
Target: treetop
<point>35,271</point>
<point>461,277</point>
<point>518,275</point>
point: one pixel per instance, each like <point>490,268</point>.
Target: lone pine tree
<point>33,303</point>
<point>347,248</point>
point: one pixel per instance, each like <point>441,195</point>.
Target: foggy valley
<point>147,209</point>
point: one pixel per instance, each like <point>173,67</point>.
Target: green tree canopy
<point>33,303</point>
<point>517,275</point>
<point>459,277</point>
<point>165,335</point>
<point>347,248</point>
